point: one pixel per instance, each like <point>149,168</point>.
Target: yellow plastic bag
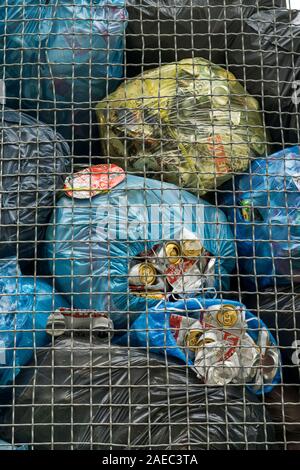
<point>190,123</point>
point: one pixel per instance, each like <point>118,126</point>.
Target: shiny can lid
<point>173,252</point>
<point>147,273</point>
<point>227,315</point>
<point>192,248</point>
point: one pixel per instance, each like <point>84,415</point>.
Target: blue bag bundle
<point>25,304</point>
<point>61,54</point>
<point>265,211</point>
<point>92,241</point>
<point>152,330</point>
<point>6,446</point>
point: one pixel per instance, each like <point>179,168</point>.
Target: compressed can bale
<point>190,123</point>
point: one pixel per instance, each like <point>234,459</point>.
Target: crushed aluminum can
<point>142,274</point>
<point>269,356</point>
<point>228,317</point>
<point>249,356</point>
<point>209,273</point>
<point>150,295</point>
<point>192,248</point>
<point>56,324</point>
<point>212,364</point>
<point>270,363</point>
<point>185,278</point>
<point>162,255</point>
<point>81,321</point>
<point>93,180</point>
<point>181,326</point>
<point>223,373</point>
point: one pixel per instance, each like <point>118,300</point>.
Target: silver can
<point>82,321</point>
<point>142,274</point>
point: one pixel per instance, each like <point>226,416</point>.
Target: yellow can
<point>227,316</point>
<point>192,248</point>
<point>173,252</point>
<point>193,339</point>
<point>142,274</point>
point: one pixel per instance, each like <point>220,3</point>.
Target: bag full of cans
<point>175,268</point>
<point>190,123</point>
<point>222,341</point>
<point>119,242</point>
<point>265,211</point>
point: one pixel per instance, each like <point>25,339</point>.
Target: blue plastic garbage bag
<point>25,304</point>
<point>152,330</point>
<point>265,211</point>
<point>92,241</point>
<point>6,446</point>
<point>61,54</point>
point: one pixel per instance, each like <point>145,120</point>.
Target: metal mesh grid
<point>130,384</point>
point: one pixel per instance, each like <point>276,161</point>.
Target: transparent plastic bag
<point>190,123</point>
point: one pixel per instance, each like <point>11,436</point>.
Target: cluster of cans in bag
<point>221,348</point>
<point>178,267</point>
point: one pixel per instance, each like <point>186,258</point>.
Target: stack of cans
<point>175,267</point>
<point>222,350</point>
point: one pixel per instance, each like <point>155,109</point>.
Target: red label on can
<point>93,180</point>
<point>175,272</point>
<point>175,324</point>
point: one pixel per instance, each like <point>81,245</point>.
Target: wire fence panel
<point>149,224</point>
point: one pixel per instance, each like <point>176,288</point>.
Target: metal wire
<point>187,135</point>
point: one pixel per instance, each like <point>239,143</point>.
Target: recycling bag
<point>162,31</point>
<point>25,304</point>
<point>189,123</point>
<point>265,58</point>
<point>58,57</point>
<point>34,163</point>
<point>279,310</point>
<point>264,209</point>
<point>93,239</point>
<point>163,330</point>
<point>146,390</point>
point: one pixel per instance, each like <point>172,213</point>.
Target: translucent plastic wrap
<point>280,311</point>
<point>34,162</point>
<point>59,57</point>
<point>157,330</point>
<point>265,209</point>
<point>93,241</point>
<point>131,392</point>
<point>189,123</point>
<point>25,304</point>
<point>162,31</point>
<point>265,57</point>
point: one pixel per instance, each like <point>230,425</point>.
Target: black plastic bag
<point>34,163</point>
<point>163,31</point>
<point>279,309</point>
<point>266,58</point>
<point>99,395</point>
